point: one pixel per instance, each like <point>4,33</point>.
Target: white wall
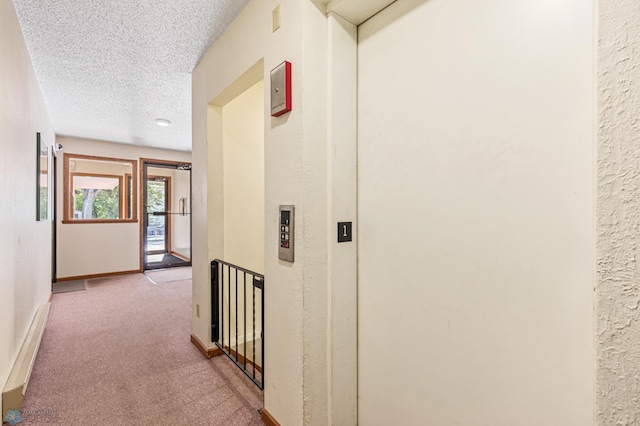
<point>243,165</point>
<point>295,161</point>
<point>342,342</point>
<point>475,210</point>
<point>87,248</point>
<point>243,205</point>
<point>618,207</point>
<point>25,264</point>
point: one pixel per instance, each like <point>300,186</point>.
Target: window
<point>99,189</point>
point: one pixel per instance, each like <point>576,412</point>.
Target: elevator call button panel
<point>287,228</point>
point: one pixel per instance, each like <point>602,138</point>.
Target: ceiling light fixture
<point>162,122</point>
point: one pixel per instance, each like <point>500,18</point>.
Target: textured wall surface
<point>618,212</point>
<point>25,264</point>
<point>285,303</point>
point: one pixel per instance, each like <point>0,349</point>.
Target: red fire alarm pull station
<point>281,89</point>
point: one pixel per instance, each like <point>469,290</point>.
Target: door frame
<point>54,217</point>
<point>145,163</point>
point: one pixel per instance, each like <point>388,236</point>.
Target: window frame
<point>69,198</point>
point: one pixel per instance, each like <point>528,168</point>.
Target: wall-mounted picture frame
<point>42,179</point>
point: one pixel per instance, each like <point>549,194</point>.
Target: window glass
<point>99,189</point>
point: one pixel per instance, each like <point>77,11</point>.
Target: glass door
<point>157,224</point>
<point>167,215</point>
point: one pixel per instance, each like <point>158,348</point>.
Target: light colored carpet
<point>120,354</point>
<point>169,275</point>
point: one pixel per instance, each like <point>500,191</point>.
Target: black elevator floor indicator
<point>345,232</point>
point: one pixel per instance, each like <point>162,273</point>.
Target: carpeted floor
<point>159,276</point>
<point>120,354</point>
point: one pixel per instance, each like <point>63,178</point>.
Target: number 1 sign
<point>344,232</point>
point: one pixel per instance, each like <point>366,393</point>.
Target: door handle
<point>167,213</point>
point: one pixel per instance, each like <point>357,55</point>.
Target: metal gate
<point>237,317</point>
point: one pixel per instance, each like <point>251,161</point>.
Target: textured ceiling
<point>108,69</point>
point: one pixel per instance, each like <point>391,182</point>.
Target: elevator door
<point>475,213</point>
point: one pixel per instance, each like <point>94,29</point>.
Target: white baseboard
<point>16,386</point>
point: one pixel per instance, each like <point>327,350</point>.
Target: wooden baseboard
<point>105,275</point>
<point>268,419</point>
<point>241,359</point>
<point>208,353</point>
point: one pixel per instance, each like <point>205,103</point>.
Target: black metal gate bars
<point>237,317</point>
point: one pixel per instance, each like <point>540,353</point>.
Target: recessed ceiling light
<point>162,122</point>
